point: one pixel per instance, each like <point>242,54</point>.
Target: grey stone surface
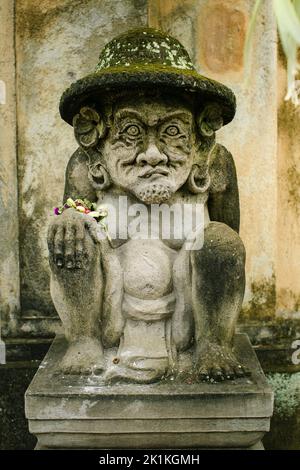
<point>83,412</point>
<point>150,294</point>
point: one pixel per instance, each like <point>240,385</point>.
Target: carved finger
<point>228,372</point>
<point>79,245</point>
<point>217,374</point>
<point>69,246</point>
<point>59,246</point>
<point>50,238</point>
<point>91,225</point>
<point>240,371</point>
<point>203,374</point>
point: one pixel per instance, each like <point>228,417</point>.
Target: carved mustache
<point>174,160</point>
<point>173,157</point>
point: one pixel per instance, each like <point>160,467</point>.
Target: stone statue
<point>145,122</point>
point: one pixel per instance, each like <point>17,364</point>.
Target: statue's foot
<point>123,374</point>
<point>83,357</point>
<point>216,363</point>
<point>150,370</point>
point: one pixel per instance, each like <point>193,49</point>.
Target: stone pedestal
<point>69,412</point>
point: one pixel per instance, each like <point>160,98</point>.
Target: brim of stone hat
<point>138,77</point>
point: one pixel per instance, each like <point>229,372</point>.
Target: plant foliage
<point>287,14</point>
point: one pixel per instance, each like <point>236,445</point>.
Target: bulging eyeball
<point>88,127</point>
<point>210,120</point>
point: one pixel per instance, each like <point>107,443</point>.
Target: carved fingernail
<point>59,263</point>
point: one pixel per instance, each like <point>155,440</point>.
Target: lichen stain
<point>222,49</point>
<point>159,10</point>
<point>263,302</point>
<point>288,300</point>
<point>293,187</point>
<point>289,174</point>
<point>33,17</point>
<point>144,47</point>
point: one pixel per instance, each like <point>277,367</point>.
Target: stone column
<point>9,243</point>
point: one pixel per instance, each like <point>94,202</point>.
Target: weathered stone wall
<point>9,224</point>
<point>288,203</point>
<point>47,44</point>
<point>56,42</point>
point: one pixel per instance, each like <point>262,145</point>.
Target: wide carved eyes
<point>172,131</point>
<point>133,130</point>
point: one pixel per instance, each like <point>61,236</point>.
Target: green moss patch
<point>286,389</point>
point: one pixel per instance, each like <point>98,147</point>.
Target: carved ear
<point>88,127</point>
<point>198,180</point>
<point>210,120</point>
<point>99,177</point>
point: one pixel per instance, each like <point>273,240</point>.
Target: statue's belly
<point>147,267</point>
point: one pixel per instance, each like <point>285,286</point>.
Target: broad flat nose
<point>152,156</point>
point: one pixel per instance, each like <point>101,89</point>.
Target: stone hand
<point>66,238</point>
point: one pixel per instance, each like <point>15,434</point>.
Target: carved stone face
<point>149,148</point>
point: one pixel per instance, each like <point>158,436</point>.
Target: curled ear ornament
<point>99,176</point>
<point>197,181</point>
<point>88,127</point>
<point>210,120</point>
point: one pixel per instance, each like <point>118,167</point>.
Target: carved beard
<point>154,193</point>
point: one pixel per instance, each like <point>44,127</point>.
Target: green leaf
<point>87,204</point>
<point>296,4</point>
<point>288,23</point>
<point>287,14</point>
<point>71,203</point>
<point>250,32</point>
<point>287,19</point>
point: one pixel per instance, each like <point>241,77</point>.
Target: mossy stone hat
<point>145,58</point>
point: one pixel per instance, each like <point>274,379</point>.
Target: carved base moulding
<point>73,412</point>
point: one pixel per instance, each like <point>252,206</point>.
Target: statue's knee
<point>220,243</point>
<point>220,235</point>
